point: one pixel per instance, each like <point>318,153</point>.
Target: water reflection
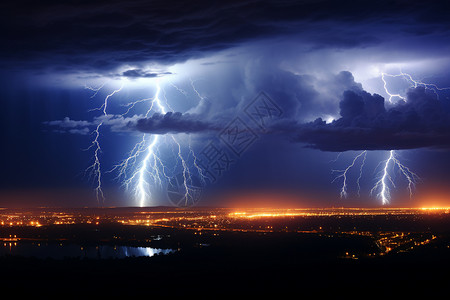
<point>61,251</point>
<point>143,251</point>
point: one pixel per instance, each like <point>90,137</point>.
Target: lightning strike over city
<point>385,181</point>
<point>151,164</point>
<point>144,172</point>
<point>343,173</point>
<point>172,149</point>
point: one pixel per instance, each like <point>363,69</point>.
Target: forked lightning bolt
<point>385,181</point>
<point>144,171</point>
<point>95,168</point>
<point>343,173</point>
<point>382,185</point>
<point>413,83</point>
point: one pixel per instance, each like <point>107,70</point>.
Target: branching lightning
<point>382,185</point>
<point>385,181</point>
<point>144,171</point>
<point>95,168</point>
<point>149,173</point>
<point>343,173</point>
<point>95,90</point>
<point>413,83</point>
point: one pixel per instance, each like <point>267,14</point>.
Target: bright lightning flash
<point>95,168</point>
<point>413,83</point>
<point>343,173</point>
<point>385,181</point>
<point>144,171</point>
<point>382,185</point>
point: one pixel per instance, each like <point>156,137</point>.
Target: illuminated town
<point>390,230</point>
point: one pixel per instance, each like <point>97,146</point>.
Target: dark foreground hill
<point>250,264</point>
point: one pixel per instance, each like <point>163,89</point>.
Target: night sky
<point>262,103</point>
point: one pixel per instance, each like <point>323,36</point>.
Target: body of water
<point>60,251</point>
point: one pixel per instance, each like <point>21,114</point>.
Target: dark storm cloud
<point>173,123</point>
<point>116,123</point>
<point>68,123</point>
<point>101,35</point>
<point>139,73</point>
<point>157,123</point>
<point>422,121</point>
<point>366,122</point>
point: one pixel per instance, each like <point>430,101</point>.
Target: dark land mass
<point>224,263</point>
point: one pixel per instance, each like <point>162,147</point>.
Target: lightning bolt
<point>95,168</point>
<point>151,170</point>
<point>343,173</point>
<point>195,89</point>
<point>382,185</point>
<point>385,181</point>
<point>150,173</point>
<point>95,90</point>
<point>413,83</point>
<point>361,173</point>
<point>383,75</point>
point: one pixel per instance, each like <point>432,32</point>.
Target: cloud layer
<point>155,124</point>
<point>173,123</point>
<point>366,121</point>
<point>421,121</point>
<point>102,35</point>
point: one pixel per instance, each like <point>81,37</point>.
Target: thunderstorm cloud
<point>366,122</point>
<point>173,123</point>
<point>422,121</point>
<point>102,35</point>
<point>208,61</point>
<point>139,73</point>
<point>157,123</point>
